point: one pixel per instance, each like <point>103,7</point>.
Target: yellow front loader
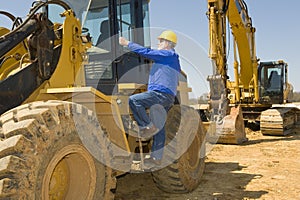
<point>64,104</point>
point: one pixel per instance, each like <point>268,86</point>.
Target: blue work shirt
<point>165,70</point>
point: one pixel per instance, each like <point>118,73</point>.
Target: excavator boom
<point>227,119</point>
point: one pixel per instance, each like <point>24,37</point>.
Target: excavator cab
<point>272,79</point>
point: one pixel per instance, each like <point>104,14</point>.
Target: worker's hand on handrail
<point>123,41</point>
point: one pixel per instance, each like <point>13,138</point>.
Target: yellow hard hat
<point>168,35</point>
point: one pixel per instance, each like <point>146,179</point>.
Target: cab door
<point>272,81</point>
<point>133,21</point>
<point>108,62</point>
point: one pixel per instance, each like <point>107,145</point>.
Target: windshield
<point>272,79</point>
<point>94,16</point>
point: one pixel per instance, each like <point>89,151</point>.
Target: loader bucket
<point>231,130</point>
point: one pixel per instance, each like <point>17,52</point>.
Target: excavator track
<point>42,156</point>
<point>279,120</point>
<point>186,168</point>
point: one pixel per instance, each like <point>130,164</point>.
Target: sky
<point>276,23</point>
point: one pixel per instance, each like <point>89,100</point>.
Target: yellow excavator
<point>259,89</point>
<point>65,121</point>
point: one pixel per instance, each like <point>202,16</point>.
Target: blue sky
<point>276,23</point>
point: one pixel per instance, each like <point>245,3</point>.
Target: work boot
<point>151,164</point>
<point>134,131</point>
<point>148,131</point>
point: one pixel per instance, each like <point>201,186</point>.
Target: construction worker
<point>162,87</point>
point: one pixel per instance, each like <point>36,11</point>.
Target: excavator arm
<point>245,85</point>
<point>244,39</point>
<point>225,95</point>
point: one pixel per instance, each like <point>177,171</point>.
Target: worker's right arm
<point>153,54</point>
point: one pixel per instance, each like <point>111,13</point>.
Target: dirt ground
<point>265,167</point>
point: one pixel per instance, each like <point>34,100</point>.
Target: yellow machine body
<point>64,105</point>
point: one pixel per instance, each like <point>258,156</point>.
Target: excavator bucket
<point>231,130</point>
<point>279,120</point>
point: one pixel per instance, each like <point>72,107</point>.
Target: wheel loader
<point>258,94</point>
<point>65,122</point>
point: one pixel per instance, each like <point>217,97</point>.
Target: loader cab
<point>108,62</point>
<point>272,80</point>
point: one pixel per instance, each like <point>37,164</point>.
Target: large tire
<point>184,149</point>
<point>42,155</point>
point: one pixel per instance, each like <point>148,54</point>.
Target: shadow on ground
<point>221,181</point>
<point>270,138</point>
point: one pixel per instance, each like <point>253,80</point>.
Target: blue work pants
<point>159,104</point>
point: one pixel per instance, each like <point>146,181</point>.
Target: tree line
<point>204,98</point>
<point>296,97</point>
